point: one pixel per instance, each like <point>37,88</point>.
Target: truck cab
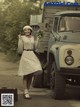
<point>64,52</point>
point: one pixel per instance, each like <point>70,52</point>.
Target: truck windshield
<point>69,24</point>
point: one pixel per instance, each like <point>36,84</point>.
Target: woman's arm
<point>36,43</point>
<point>20,45</point>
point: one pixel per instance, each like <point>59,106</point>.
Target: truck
<point>59,48</point>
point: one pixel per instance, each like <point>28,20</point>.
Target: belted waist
<point>28,49</point>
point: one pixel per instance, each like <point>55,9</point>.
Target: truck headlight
<point>69,60</point>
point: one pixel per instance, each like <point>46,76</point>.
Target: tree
<point>12,19</point>
<point>77,1</point>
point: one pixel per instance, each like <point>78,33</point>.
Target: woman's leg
<point>27,79</point>
<point>24,84</point>
<point>27,82</point>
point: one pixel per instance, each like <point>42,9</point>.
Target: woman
<point>29,62</point>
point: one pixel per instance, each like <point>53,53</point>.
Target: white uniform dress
<point>29,62</point>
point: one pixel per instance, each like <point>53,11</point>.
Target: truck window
<point>62,24</point>
<point>69,23</point>
<point>55,24</point>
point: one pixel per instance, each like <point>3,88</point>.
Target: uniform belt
<point>28,49</point>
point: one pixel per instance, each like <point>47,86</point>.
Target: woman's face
<point>27,32</point>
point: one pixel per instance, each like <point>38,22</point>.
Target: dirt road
<point>40,97</point>
<point>7,68</point>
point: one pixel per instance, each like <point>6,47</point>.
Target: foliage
<point>40,34</point>
<point>12,19</point>
<point>78,1</point>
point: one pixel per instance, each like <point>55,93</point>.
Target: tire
<point>37,80</point>
<point>52,78</point>
<point>58,86</point>
<point>45,80</point>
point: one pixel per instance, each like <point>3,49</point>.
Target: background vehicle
<point>59,49</point>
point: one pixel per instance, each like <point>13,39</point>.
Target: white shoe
<point>26,94</point>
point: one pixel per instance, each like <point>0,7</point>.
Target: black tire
<point>52,78</point>
<point>37,80</point>
<point>45,80</point>
<point>58,88</point>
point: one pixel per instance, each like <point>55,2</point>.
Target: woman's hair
<point>28,27</point>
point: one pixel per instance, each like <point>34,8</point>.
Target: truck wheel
<point>52,78</point>
<point>58,88</point>
<point>37,80</point>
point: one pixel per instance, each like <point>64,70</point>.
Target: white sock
<point>26,91</point>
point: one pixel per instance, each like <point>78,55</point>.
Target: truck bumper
<point>70,71</point>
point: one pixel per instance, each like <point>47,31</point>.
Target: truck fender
<point>55,54</point>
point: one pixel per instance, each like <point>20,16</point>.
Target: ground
<point>41,97</point>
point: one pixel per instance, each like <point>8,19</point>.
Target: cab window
<point>55,24</point>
